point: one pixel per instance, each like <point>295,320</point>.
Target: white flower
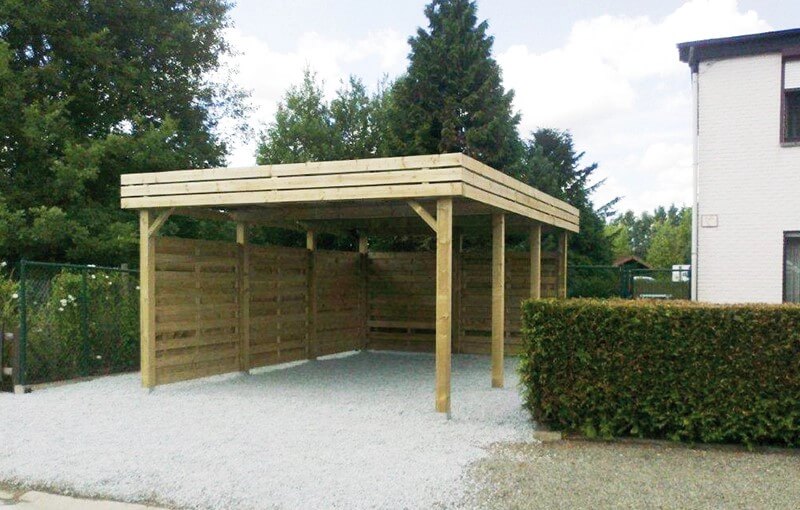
<point>98,357</point>
<point>106,276</point>
<point>137,287</point>
<point>15,296</point>
<point>93,277</point>
<point>63,302</point>
<point>60,309</point>
<point>3,263</point>
<point>70,297</point>
<point>110,283</point>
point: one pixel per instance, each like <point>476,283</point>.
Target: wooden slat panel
<point>401,315</point>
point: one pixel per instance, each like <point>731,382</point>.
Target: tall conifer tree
<point>452,98</point>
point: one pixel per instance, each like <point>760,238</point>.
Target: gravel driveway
<point>580,474</point>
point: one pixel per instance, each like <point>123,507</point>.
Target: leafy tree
<point>308,127</point>
<point>551,164</point>
<point>93,89</point>
<point>672,243</point>
<point>620,240</point>
<point>662,237</point>
<point>452,98</point>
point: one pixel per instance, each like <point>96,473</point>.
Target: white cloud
<point>618,85</point>
<point>598,70</point>
<point>268,73</point>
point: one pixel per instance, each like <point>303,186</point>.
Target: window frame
<point>789,55</point>
<point>787,235</point>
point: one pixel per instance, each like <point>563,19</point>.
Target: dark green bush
<point>677,370</point>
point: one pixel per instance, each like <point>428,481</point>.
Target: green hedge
<point>676,370</point>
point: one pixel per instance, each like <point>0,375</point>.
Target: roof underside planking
<point>369,195</point>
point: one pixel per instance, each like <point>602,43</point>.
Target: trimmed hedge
<point>677,370</point>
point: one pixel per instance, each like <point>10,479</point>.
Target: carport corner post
<point>147,284</point>
<point>444,296</point>
<point>498,297</point>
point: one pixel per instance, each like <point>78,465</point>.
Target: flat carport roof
<point>411,195</point>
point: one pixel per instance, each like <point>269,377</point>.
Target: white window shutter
<point>791,74</point>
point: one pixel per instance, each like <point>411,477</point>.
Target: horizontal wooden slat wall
<point>389,305</point>
<point>402,300</point>
<point>476,299</point>
<point>196,309</point>
<point>339,322</point>
<point>278,305</point>
<point>197,321</point>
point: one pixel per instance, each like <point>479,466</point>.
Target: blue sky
<point>607,71</point>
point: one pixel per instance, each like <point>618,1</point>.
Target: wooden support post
<point>536,260</point>
<point>444,296</point>
<point>561,284</point>
<point>498,297</point>
<point>311,317</point>
<point>363,248</point>
<point>147,297</point>
<point>243,296</point>
<point>457,290</point>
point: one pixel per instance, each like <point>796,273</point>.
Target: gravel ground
<point>580,474</point>
<point>354,431</point>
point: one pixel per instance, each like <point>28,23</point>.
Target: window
<point>791,267</point>
<point>791,100</point>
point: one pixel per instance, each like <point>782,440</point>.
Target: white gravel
<point>354,431</point>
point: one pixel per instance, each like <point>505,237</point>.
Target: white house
<point>746,232</point>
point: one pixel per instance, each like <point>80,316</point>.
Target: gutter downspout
<point>696,174</point>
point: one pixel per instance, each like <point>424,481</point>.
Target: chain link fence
<point>76,321</point>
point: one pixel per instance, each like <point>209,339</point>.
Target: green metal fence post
<point>86,352</point>
<point>23,324</point>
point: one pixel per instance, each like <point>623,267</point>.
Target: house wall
<point>745,179</point>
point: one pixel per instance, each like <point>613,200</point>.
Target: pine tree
<point>551,164</point>
<point>452,97</point>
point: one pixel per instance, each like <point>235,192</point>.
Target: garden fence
<point>611,281</point>
<point>76,321</point>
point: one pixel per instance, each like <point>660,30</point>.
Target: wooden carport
<point>442,194</point>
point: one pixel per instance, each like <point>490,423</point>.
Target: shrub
<point>676,370</point>
<point>76,329</point>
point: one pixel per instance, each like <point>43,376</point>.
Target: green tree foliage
<point>620,240</point>
<point>308,127</point>
<point>662,238</point>
<point>452,98</point>
<point>672,243</point>
<point>551,164</point>
<point>93,89</point>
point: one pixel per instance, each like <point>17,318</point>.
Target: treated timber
<point>423,213</point>
<point>159,221</point>
<point>311,322</point>
<point>363,251</point>
<point>313,184</point>
<point>243,303</point>
<point>444,295</point>
<point>562,265</point>
<point>536,260</point>
<point>498,297</point>
<point>147,298</point>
